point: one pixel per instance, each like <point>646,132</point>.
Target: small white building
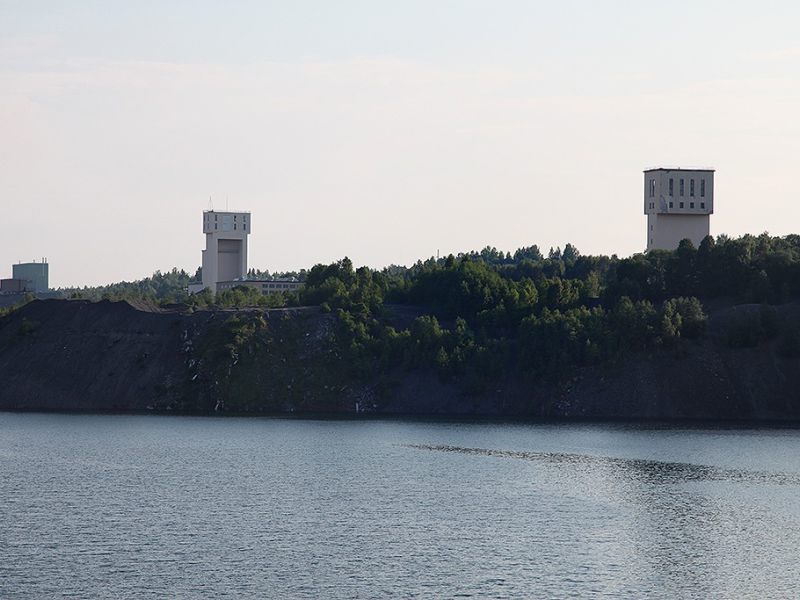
<point>265,286</point>
<point>678,204</point>
<point>225,256</point>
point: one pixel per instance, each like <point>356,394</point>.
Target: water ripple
<point>143,507</point>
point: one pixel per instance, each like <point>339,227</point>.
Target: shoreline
<point>654,423</point>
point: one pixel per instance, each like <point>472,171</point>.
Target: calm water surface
<point>138,507</point>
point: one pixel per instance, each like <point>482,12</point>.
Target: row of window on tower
<point>681,187</point>
<point>244,226</point>
<point>680,205</point>
<point>235,218</point>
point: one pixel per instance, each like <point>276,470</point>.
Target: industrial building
<point>678,204</point>
<point>31,277</point>
<point>225,257</point>
<point>265,286</point>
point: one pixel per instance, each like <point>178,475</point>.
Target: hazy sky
<point>382,130</point>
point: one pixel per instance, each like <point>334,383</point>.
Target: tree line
<point>479,316</point>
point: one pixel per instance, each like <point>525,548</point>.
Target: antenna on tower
<point>210,203</point>
<point>226,204</point>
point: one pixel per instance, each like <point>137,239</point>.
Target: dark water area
<point>152,507</point>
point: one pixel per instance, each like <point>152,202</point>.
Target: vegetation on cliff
<point>712,331</point>
<point>489,314</point>
<point>482,317</point>
<point>5,310</point>
<point>171,288</point>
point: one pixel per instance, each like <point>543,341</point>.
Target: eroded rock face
<point>79,355</point>
<point>75,355</point>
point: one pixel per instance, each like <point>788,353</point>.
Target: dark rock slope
<point>74,355</point>
<point>78,355</point>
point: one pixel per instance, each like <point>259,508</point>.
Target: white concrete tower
<point>225,256</point>
<point>678,204</point>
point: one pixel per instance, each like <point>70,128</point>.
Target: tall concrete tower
<point>225,256</point>
<point>678,204</point>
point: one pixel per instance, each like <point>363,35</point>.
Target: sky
<point>383,131</point>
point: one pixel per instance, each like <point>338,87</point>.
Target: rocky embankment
<point>75,355</point>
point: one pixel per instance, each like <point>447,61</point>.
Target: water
<point>157,507</point>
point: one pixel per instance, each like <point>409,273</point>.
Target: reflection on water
<point>670,535</point>
<point>144,507</point>
<point>650,471</point>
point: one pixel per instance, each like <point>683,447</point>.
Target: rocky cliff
<point>75,355</point>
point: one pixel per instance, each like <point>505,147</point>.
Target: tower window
<point>681,205</point>
<point>671,186</point>
<point>691,204</point>
<point>671,204</point>
<point>652,188</point>
<point>215,225</point>
<point>234,225</point>
<point>702,188</point>
<point>702,205</point>
<point>691,187</point>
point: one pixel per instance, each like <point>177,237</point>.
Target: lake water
<point>174,507</point>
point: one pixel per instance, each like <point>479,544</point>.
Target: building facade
<point>225,256</point>
<point>34,275</point>
<point>678,204</point>
<point>265,286</point>
<point>13,286</point>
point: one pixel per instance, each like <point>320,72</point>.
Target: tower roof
<point>694,170</point>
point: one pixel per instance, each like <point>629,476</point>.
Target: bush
<point>682,317</point>
<point>27,327</point>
